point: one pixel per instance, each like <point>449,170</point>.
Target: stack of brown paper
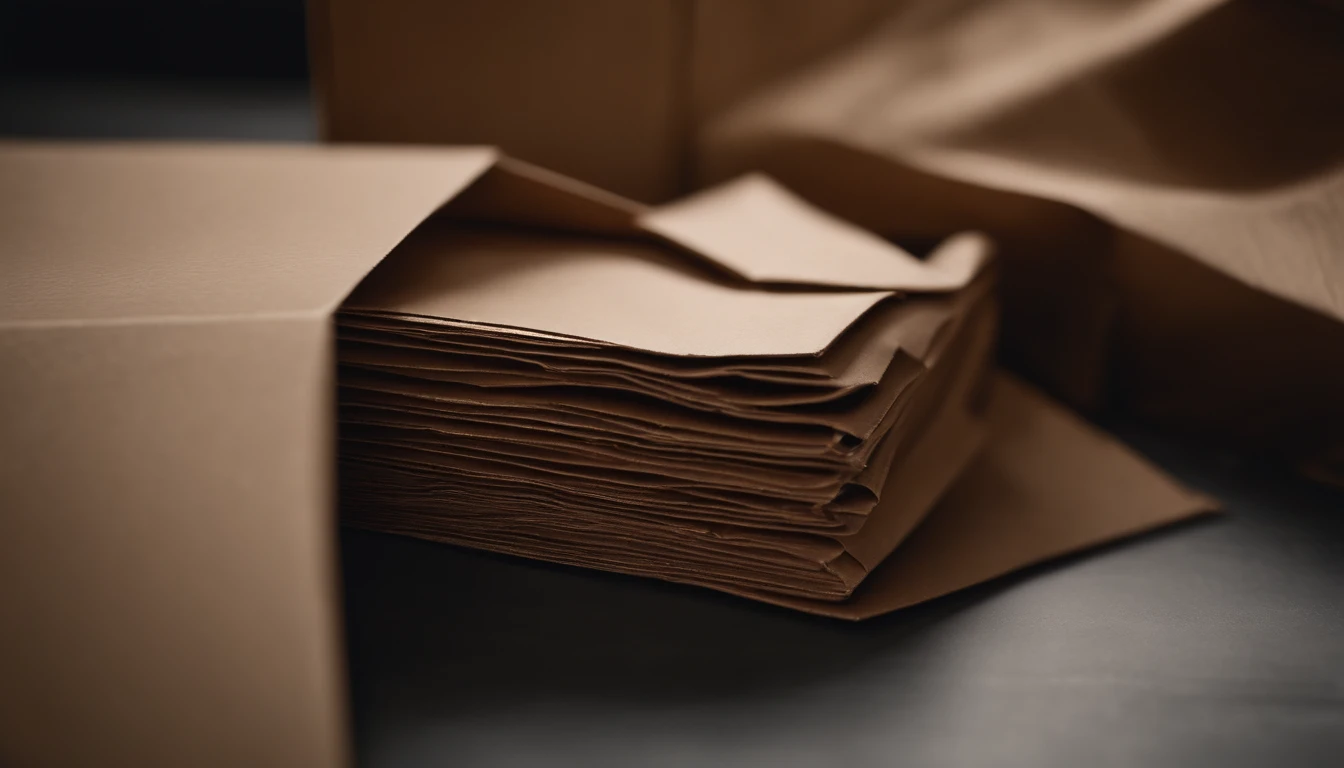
<point>167,372</point>
<point>1163,179</point>
<point>766,424</point>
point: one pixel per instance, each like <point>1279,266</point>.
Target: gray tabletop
<point>1219,642</point>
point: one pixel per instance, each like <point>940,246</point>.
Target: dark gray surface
<point>1216,643</point>
<point>78,109</point>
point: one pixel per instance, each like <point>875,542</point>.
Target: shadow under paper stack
<point>735,391</point>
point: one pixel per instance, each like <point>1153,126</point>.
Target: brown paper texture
<point>1046,485</point>
<point>702,406</point>
<point>169,393</point>
<point>1164,174</point>
<point>1162,177</point>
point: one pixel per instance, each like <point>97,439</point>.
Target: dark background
<point>160,39</point>
<point>132,69</point>
<point>1216,643</point>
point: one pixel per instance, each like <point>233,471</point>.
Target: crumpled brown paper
<point>1167,178</point>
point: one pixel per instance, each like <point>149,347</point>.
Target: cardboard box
<point>607,91</point>
<point>166,343</point>
<point>168,581</point>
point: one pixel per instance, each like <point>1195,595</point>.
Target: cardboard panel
<point>166,548</point>
<point>591,88</point>
<point>139,231</point>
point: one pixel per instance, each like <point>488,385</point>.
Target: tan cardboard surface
<point>166,561</point>
<point>136,232</point>
<point>532,65</point>
<point>167,391</point>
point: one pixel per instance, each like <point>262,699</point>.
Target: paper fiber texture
<point>168,394</point>
<point>1047,484</point>
<point>1167,175</point>
<point>702,407</point>
<point>1162,176</point>
<point>667,405</point>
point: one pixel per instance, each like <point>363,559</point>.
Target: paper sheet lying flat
<point>633,296</point>
<point>1047,484</point>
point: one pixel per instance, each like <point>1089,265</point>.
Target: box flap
<point>521,194</point>
<point>139,231</point>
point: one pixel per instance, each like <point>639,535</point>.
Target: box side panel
<point>166,547</point>
<point>743,45</point>
<point>585,87</point>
